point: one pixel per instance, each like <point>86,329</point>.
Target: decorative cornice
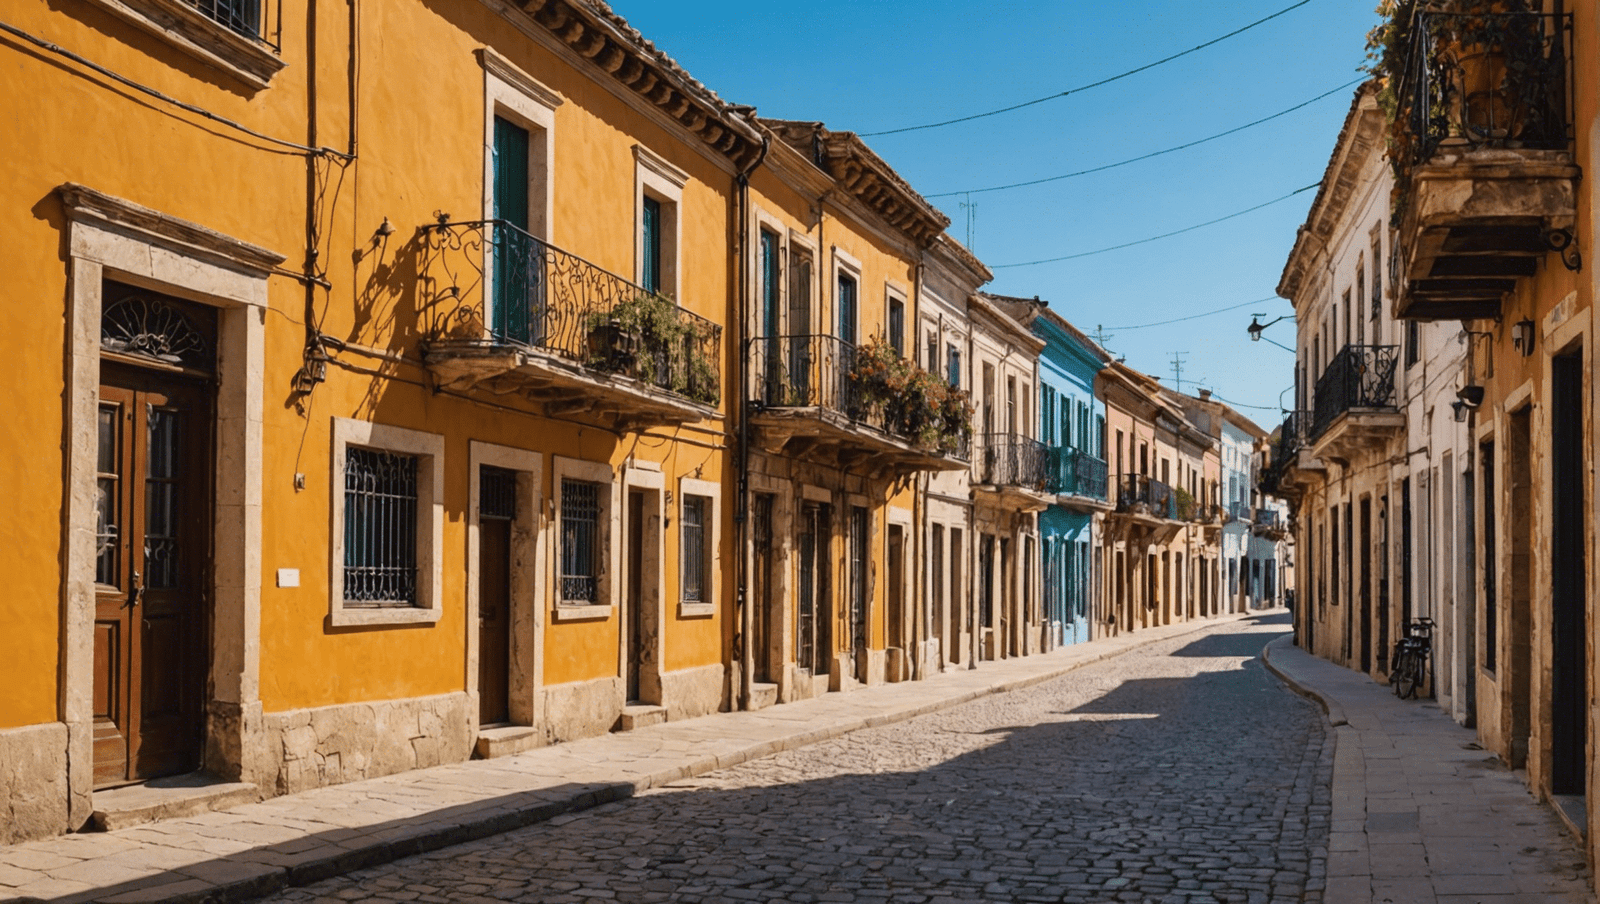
<point>590,29</point>
<point>509,72</point>
<point>1358,138</point>
<point>866,177</point>
<point>85,205</point>
<point>659,165</point>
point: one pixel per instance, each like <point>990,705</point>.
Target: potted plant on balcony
<point>955,417</point>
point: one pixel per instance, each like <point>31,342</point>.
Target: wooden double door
<point>152,572</point>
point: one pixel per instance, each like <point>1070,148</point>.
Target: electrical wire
<point>1164,235</point>
<point>1181,147</point>
<point>1242,304</point>
<point>1104,81</point>
<point>191,108</point>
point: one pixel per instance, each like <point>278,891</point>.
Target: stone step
<point>639,715</point>
<point>763,695</point>
<point>506,740</point>
<point>168,798</point>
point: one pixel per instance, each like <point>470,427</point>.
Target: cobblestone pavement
<point>1177,772</point>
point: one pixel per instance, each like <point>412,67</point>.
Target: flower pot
<point>612,347</point>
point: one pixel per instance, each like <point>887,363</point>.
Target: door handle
<point>136,591</point>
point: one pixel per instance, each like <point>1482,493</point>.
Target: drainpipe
<point>741,518</point>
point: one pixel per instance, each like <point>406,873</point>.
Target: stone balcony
<point>1486,180</point>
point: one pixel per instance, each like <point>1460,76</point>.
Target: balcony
<point>512,314</point>
<point>1269,524</point>
<point>1078,480</point>
<point>1150,509</point>
<point>1290,467</point>
<point>1239,511</point>
<point>858,407</point>
<point>1355,406</point>
<point>1014,471</point>
<point>1486,180</point>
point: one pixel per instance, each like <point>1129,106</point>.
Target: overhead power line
<point>1164,235</point>
<point>1181,147</point>
<point>1243,304</point>
<point>1104,81</point>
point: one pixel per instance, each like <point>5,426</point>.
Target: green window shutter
<point>510,173</point>
<point>516,274</point>
<point>769,284</point>
<point>650,271</point>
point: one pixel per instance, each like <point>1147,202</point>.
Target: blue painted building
<point>1073,424</point>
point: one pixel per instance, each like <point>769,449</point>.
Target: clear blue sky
<point>872,66</point>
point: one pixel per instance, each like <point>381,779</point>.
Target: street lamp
<point>1256,328</point>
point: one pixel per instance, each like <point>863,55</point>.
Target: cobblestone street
<point>1178,772</point>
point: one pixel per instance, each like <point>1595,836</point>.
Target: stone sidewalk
<point>1421,814</point>
<point>259,848</point>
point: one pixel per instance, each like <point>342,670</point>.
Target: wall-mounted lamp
<point>1522,337</point>
<point>1256,328</point>
<point>1461,408</point>
<point>1471,396</point>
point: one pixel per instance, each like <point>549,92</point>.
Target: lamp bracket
<point>1560,240</point>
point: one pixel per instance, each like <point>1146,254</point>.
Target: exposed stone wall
<point>583,709</point>
<point>332,744</point>
<point>33,782</point>
<point>694,692</point>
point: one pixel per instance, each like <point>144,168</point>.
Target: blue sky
<point>874,66</point>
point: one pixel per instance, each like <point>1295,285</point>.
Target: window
<point>387,524</point>
<point>580,542</point>
<point>698,539</point>
<point>692,528</point>
<point>211,32</point>
<point>238,16</point>
<point>1377,271</point>
<point>897,325</point>
<point>659,192</point>
<point>771,274</point>
<point>847,308</point>
<point>1413,350</point>
<point>931,361</point>
<point>953,368</point>
<point>1047,405</point>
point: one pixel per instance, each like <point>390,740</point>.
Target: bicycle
<point>1410,670</point>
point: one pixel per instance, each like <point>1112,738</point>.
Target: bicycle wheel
<point>1407,675</point>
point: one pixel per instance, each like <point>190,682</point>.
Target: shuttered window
<point>650,245</point>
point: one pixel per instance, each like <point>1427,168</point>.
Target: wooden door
<point>635,598</point>
<point>153,571</point>
<point>497,501</point>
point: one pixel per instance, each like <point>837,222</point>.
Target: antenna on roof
<point>1177,369</point>
<point>972,216</point>
<point>1101,336</point>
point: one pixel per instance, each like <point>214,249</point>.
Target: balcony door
<point>516,281</point>
<point>1568,692</point>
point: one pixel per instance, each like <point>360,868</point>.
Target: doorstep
<point>168,798</point>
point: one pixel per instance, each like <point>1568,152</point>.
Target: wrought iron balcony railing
<point>1281,454</point>
<point>1006,459</point>
<point>1265,517</point>
<point>827,373</point>
<point>506,287</point>
<point>1148,496</point>
<point>1077,473</point>
<point>1495,79</point>
<point>1359,377</point>
<point>1238,511</point>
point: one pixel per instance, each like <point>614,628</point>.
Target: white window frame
<point>655,177</point>
<point>428,448</point>
<point>250,61</point>
<point>606,583</point>
<point>712,592</point>
<point>844,264</point>
<point>514,95</point>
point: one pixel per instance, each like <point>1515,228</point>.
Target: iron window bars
<point>580,541</point>
<point>380,528</point>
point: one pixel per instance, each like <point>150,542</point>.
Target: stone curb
<point>244,878</point>
<point>1330,707</point>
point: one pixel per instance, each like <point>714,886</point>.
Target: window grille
<point>580,541</point>
<point>380,528</point>
<point>497,493</point>
<point>693,528</point>
<point>239,16</point>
